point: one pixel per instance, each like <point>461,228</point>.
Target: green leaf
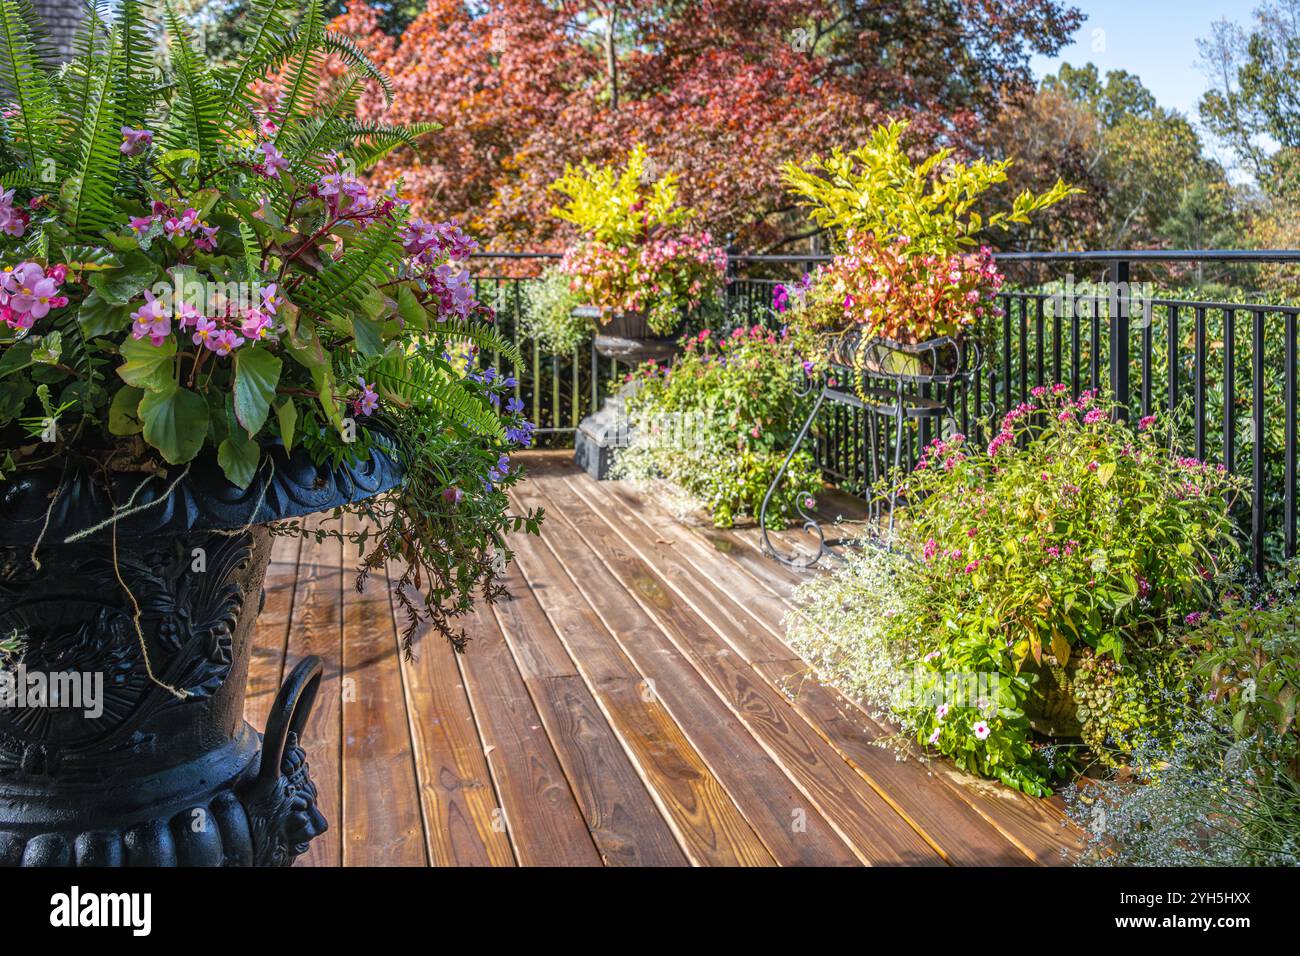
<point>238,456</point>
<point>16,357</point>
<point>257,372</point>
<point>98,318</point>
<point>148,366</point>
<point>410,309</point>
<point>124,285</point>
<point>370,341</point>
<point>1105,473</point>
<point>175,423</point>
<point>287,414</point>
<point>124,412</point>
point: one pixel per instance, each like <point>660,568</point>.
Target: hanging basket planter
<point>937,361</point>
<point>627,337</point>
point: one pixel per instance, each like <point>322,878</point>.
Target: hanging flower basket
<point>627,337</point>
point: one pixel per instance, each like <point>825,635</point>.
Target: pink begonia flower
<point>981,730</point>
<point>941,711</point>
<point>369,399</point>
<point>272,161</point>
<point>256,325</point>
<point>141,224</point>
<point>223,343</point>
<point>271,298</point>
<point>205,330</point>
<point>13,222</point>
<point>151,321</point>
<point>188,314</point>
<point>135,141</point>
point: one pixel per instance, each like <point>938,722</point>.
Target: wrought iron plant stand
<point>159,605</point>
<point>940,365</point>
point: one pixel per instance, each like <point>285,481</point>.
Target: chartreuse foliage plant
<point>720,421</point>
<point>1051,576</point>
<point>186,276</point>
<point>634,253</point>
<point>910,265</point>
<point>932,205</point>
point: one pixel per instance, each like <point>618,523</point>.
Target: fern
<point>304,74</point>
<point>22,74</point>
<point>137,91</point>
<point>269,30</point>
<point>341,286</point>
<point>484,337</point>
<point>195,110</point>
<point>89,189</point>
<point>411,379</point>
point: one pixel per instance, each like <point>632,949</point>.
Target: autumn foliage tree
<point>721,91</point>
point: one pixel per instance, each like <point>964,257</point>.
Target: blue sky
<point>1156,39</point>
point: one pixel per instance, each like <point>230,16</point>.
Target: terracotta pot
<point>148,774</point>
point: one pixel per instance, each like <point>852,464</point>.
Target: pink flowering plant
<point>1071,539</point>
<point>910,265</point>
<point>635,252</point>
<point>186,278</point>
<point>720,421</point>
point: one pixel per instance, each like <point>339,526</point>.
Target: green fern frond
<point>137,89</point>
<point>371,142</point>
<point>23,75</point>
<point>412,379</point>
<point>88,191</point>
<point>304,73</point>
<point>347,50</point>
<point>196,108</point>
<point>267,32</point>
<point>340,288</point>
<point>482,336</point>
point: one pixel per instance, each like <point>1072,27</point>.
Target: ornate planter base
<point>124,665</point>
<point>224,809</point>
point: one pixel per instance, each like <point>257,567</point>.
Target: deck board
<point>633,703</point>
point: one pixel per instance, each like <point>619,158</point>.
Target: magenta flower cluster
<point>28,292</point>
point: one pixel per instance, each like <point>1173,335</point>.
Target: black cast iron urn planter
<point>162,770</point>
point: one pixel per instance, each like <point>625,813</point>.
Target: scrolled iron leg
<point>810,524</point>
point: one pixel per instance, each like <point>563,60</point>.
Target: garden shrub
<point>1054,569</point>
<point>1223,787</point>
<point>719,423</point>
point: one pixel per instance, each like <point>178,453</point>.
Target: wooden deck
<point>633,703</point>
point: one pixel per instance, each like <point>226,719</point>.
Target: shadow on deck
<point>633,703</point>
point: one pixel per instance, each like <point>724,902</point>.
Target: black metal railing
<point>1223,365</point>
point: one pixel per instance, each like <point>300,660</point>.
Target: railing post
<point>1119,331</point>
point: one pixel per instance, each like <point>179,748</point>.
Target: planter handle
<point>288,716</point>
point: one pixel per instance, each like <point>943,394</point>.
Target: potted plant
<point>635,269</point>
<point>211,327</point>
<point>910,279</point>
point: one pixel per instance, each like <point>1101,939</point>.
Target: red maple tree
<point>721,91</point>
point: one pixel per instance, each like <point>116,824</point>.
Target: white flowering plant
<point>185,275</point>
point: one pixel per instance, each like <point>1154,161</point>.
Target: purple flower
<point>1192,619</point>
<point>1146,422</point>
<point>135,141</point>
<point>369,399</point>
<point>151,321</point>
<point>514,406</point>
<point>272,161</point>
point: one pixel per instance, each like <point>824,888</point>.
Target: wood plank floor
<point>632,704</point>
